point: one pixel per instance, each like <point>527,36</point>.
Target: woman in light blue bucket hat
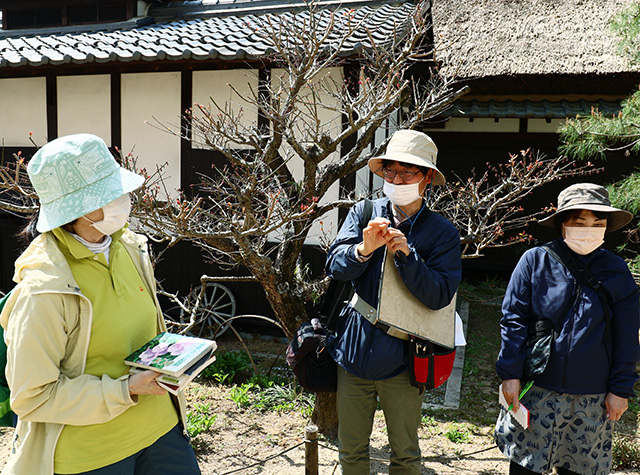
<point>84,300</point>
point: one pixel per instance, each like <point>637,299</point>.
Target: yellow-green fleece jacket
<point>47,324</point>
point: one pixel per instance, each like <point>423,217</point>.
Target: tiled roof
<point>201,36</point>
<point>543,109</point>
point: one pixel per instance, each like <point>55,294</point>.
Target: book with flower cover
<point>175,384</point>
<point>173,354</point>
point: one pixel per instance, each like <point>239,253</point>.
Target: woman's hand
<point>373,236</point>
<point>615,406</point>
<point>397,241</point>
<point>145,383</point>
<point>511,390</point>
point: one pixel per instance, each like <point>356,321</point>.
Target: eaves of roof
<point>204,8</point>
<point>543,109</point>
<point>230,37</point>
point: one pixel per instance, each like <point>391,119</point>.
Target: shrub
<point>227,366</point>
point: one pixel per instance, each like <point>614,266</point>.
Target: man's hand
<point>397,241</point>
<point>373,236</point>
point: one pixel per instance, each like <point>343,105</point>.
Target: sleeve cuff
<point>359,257</point>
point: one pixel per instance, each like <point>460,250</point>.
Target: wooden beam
<point>116,110</point>
<point>186,102</point>
<point>52,107</point>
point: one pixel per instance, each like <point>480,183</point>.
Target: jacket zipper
<point>576,302</point>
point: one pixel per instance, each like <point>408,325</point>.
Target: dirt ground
<point>453,441</point>
<point>241,441</point>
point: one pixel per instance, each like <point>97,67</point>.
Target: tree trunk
<point>325,414</point>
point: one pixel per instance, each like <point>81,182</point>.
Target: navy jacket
<point>581,362</point>
<point>432,272</point>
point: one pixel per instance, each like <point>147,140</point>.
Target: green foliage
<point>626,25</point>
<point>240,394</point>
<point>625,452</point>
<point>200,419</point>
<point>266,394</point>
<point>592,136</point>
<point>626,193</point>
<point>458,434</point>
<point>227,366</point>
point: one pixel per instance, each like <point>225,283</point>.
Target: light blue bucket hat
<point>75,175</point>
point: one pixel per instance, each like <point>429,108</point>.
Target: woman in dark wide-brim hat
<point>590,370</point>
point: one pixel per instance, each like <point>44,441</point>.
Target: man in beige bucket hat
<point>375,363</point>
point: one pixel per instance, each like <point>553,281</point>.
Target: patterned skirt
<point>565,430</point>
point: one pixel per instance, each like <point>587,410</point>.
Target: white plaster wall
<point>214,85</point>
<point>330,121</point>
<point>456,124</point>
<point>541,125</point>
<point>23,109</point>
<point>84,105</point>
<point>150,99</point>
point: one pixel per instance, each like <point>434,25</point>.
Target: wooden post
<point>311,450</point>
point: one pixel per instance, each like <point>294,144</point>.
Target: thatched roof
<point>483,38</point>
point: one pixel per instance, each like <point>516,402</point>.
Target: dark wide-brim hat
<point>592,197</point>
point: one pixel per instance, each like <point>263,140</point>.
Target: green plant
<point>200,419</point>
<point>227,366</point>
<point>457,434</point>
<point>265,394</point>
<point>240,394</point>
<point>625,452</point>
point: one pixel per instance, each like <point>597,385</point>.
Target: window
<point>65,12</point>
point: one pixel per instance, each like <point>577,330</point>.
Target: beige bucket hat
<point>412,147</point>
<point>592,197</point>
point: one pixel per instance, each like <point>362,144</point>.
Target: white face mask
<point>582,239</point>
<point>402,195</point>
<point>116,214</point>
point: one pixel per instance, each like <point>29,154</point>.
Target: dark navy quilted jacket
<point>581,362</point>
<point>432,272</point>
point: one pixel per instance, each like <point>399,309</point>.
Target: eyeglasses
<point>405,175</point>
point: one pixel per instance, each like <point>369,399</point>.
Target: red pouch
<point>430,365</point>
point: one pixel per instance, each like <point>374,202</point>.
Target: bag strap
<point>339,291</point>
<point>583,275</point>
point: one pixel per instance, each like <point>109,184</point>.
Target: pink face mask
<point>582,239</point>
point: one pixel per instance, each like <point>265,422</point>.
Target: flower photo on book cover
<point>162,351</point>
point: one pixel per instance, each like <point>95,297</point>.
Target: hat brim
<point>618,218</point>
<point>375,165</point>
<point>87,199</point>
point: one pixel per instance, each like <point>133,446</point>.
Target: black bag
<point>307,354</point>
<point>310,360</point>
<point>542,333</point>
<point>539,341</point>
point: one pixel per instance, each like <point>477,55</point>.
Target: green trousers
<point>401,403</point>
